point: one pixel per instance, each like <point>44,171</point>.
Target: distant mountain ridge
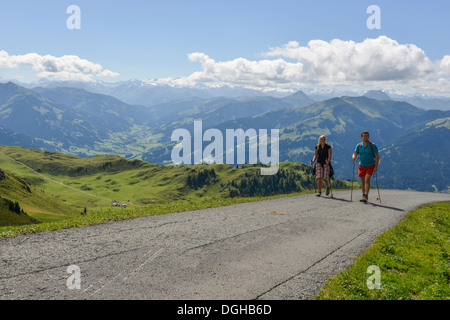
<point>139,92</point>
<point>377,95</point>
<point>107,110</point>
<point>84,123</point>
<point>25,112</point>
<point>424,158</point>
<point>11,138</point>
<point>341,120</point>
<point>150,93</point>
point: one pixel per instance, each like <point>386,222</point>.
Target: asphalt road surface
<point>274,249</point>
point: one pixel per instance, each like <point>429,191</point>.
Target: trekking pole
<point>376,179</point>
<point>353,178</point>
<point>314,178</point>
<point>331,190</point>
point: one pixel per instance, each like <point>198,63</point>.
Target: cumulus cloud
<point>444,66</point>
<point>380,62</point>
<point>67,67</point>
<point>372,62</point>
<point>241,71</point>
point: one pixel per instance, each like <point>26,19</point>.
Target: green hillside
<point>424,158</point>
<point>11,217</point>
<point>94,183</point>
<point>70,165</point>
<point>34,202</point>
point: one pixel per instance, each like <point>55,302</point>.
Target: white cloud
<point>444,66</point>
<point>66,76</point>
<point>440,86</point>
<point>65,67</point>
<point>372,62</point>
<point>241,71</point>
<point>380,62</point>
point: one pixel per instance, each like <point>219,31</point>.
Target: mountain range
<point>150,92</point>
<point>27,113</point>
<point>390,123</point>
<point>85,123</point>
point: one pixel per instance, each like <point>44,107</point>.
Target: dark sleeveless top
<point>322,153</point>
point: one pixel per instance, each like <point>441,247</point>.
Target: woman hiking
<point>323,156</point>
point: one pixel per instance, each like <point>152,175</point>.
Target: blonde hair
<point>318,141</point>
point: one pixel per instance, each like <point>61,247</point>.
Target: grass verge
<point>413,259</point>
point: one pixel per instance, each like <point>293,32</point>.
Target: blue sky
<point>152,39</point>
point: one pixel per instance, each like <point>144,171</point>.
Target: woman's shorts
<point>365,170</point>
<point>322,171</point>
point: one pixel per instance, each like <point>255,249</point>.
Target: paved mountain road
<point>274,249</point>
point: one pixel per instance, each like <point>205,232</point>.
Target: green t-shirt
<point>366,155</point>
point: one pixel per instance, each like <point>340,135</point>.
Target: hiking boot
<point>328,191</point>
<point>319,194</point>
<point>364,198</point>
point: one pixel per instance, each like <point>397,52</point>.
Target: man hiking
<point>368,162</point>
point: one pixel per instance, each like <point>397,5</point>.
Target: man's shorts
<point>322,172</point>
<point>365,170</point>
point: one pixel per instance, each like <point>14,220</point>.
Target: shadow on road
<point>382,206</point>
<point>372,204</point>
<point>334,198</point>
